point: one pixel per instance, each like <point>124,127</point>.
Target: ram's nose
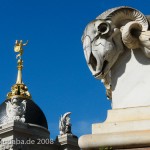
<point>88,55</point>
<point>87,48</point>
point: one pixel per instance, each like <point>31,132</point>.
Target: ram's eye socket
<point>104,28</point>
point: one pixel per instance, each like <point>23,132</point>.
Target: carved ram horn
<point>133,25</point>
<point>134,37</point>
<point>130,34</point>
<point>119,16</point>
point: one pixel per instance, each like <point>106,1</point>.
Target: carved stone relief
<point>109,35</point>
<point>15,110</point>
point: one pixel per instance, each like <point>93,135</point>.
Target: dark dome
<point>33,113</point>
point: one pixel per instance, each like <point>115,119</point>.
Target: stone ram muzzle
<point>100,46</point>
<point>102,38</point>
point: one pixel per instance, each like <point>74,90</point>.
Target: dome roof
<point>18,105</point>
<point>33,113</point>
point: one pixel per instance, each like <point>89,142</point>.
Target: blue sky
<point>55,70</point>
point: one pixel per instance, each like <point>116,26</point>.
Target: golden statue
<point>19,47</point>
<point>19,89</point>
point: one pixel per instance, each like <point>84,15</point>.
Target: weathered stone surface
<point>123,128</point>
<point>124,120</point>
<point>116,140</point>
<point>130,80</point>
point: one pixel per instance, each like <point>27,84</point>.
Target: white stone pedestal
<point>123,128</point>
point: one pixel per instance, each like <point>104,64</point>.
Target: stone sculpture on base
<point>117,51</point>
<point>67,140</point>
<point>107,37</point>
<point>65,124</point>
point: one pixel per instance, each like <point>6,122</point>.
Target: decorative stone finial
<point>19,89</point>
<point>65,124</point>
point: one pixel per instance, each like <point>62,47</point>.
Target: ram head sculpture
<point>109,35</point>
